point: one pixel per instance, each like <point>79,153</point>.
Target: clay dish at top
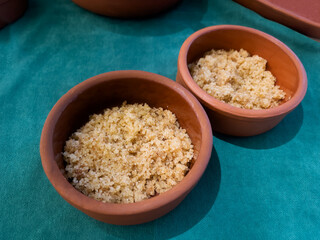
<point>282,62</point>
<point>302,16</point>
<point>126,8</point>
<point>108,90</point>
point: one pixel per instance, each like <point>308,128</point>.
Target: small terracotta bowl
<point>108,90</point>
<point>126,8</point>
<point>282,62</point>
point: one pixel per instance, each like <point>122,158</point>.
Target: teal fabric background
<point>263,187</point>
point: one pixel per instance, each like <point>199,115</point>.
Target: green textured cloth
<point>263,187</point>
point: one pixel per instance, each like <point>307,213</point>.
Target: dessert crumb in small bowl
<point>126,147</point>
<point>237,78</point>
<point>247,80</point>
<point>145,146</point>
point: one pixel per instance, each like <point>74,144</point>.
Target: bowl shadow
<point>286,130</point>
<point>186,14</point>
<point>191,210</point>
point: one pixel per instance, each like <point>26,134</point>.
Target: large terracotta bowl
<point>126,8</point>
<point>107,90</point>
<point>282,62</point>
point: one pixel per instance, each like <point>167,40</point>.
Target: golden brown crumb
<point>128,154</point>
<point>237,78</point>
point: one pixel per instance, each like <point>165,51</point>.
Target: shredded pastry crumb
<point>128,154</point>
<point>236,78</point>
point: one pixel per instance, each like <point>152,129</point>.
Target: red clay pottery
<point>11,10</point>
<point>107,90</point>
<point>126,8</point>
<point>302,16</point>
<point>282,62</point>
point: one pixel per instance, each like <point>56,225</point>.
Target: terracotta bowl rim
<point>79,200</point>
<point>225,108</point>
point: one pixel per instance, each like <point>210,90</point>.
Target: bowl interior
<point>104,94</point>
<point>280,63</point>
